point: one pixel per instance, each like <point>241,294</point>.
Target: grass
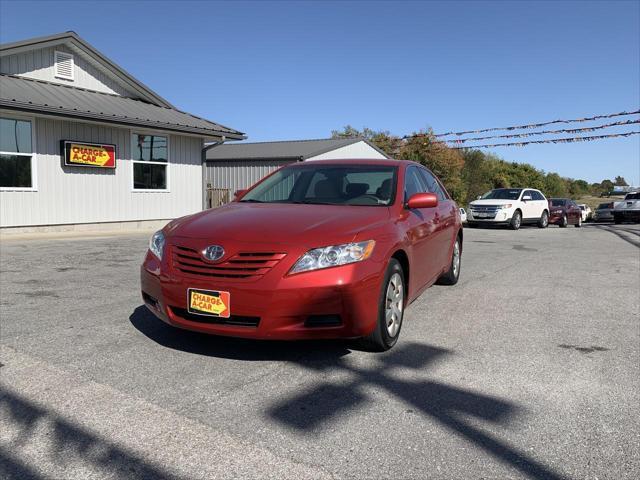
<point>593,202</point>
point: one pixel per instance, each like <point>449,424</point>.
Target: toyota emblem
<point>213,252</point>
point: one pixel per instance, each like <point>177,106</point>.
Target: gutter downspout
<point>205,149</point>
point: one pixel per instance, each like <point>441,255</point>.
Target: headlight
<point>557,211</point>
<point>333,256</point>
<point>156,244</point>
<point>505,206</point>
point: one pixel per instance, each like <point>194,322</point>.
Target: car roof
<point>356,161</point>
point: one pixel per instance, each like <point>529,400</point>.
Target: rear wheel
<point>390,310</point>
<point>579,224</point>
<point>544,220</point>
<point>516,220</point>
<point>452,275</point>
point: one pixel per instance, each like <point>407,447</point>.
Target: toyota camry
<point>318,249</point>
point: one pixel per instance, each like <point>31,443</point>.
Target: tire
<point>385,335</point>
<point>579,224</point>
<point>450,277</point>
<point>617,219</point>
<point>544,220</point>
<point>516,220</point>
<point>565,221</point>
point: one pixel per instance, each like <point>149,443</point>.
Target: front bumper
<point>555,218</point>
<point>279,307</point>
<point>627,215</point>
<point>500,217</point>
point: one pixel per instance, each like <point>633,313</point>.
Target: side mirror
<point>240,193</point>
<point>478,197</point>
<point>423,200</point>
<point>526,198</point>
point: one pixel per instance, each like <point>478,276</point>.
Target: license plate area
<point>209,303</point>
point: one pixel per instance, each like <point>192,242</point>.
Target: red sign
<point>82,154</point>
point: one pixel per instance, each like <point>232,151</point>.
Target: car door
<point>528,205</point>
<point>420,225</point>
<point>445,219</point>
<point>541,202</point>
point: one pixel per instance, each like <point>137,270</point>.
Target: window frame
<point>148,162</point>
<point>441,191</point>
<point>409,170</point>
<point>32,155</point>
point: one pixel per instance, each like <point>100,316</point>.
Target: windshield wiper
<point>310,202</point>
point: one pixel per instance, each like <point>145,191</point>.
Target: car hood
<point>491,202</point>
<point>294,224</point>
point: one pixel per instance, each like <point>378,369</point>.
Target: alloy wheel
<point>394,304</point>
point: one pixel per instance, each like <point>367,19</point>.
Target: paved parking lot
<point>528,368</point>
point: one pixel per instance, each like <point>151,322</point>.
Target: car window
<point>412,183</point>
<point>632,196</point>
<point>432,184</point>
<point>527,192</point>
<point>312,183</point>
<point>537,195</point>
<point>559,202</point>
<point>502,194</point>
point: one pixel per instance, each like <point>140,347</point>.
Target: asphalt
<point>528,368</point>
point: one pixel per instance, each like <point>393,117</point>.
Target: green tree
<point>620,182</point>
<point>554,186</point>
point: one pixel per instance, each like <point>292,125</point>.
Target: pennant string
<point>555,140</point>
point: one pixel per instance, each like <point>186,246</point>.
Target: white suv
<point>509,206</point>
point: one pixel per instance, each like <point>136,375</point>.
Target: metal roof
<point>73,39</point>
<point>31,95</point>
<point>287,149</point>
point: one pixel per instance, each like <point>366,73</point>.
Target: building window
<point>16,154</point>
<point>150,155</point>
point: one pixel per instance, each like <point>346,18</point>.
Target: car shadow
<point>235,348</point>
<point>324,402</point>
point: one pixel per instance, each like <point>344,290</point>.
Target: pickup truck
<point>627,210</point>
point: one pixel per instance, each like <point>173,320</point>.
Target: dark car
<point>322,249</point>
<point>604,212</point>
<point>563,212</point>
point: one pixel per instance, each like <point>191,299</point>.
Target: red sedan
<point>320,249</point>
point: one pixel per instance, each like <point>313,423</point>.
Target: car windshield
<point>502,194</point>
<point>604,205</point>
<point>558,202</point>
<point>632,196</point>
<point>362,185</point>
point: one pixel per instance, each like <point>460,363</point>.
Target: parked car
<point>604,212</point>
<point>564,212</point>
<point>509,206</point>
<point>586,211</point>
<point>323,249</point>
<point>463,215</point>
<point>627,210</point>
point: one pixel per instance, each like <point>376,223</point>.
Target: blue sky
<point>289,70</point>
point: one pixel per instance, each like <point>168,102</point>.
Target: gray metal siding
<point>39,64</point>
<point>68,195</point>
<point>237,175</point>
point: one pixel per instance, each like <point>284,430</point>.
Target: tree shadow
<point>449,405</point>
<point>323,403</point>
<point>617,231</point>
<point>69,440</point>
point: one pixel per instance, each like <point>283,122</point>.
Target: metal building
<point>232,167</point>
<point>82,141</point>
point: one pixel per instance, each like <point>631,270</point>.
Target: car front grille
<point>235,320</point>
<point>243,265</point>
<point>487,211</point>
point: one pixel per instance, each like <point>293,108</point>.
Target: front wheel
<point>390,310</point>
<point>544,220</point>
<point>564,222</point>
<point>516,220</point>
<point>579,224</point>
